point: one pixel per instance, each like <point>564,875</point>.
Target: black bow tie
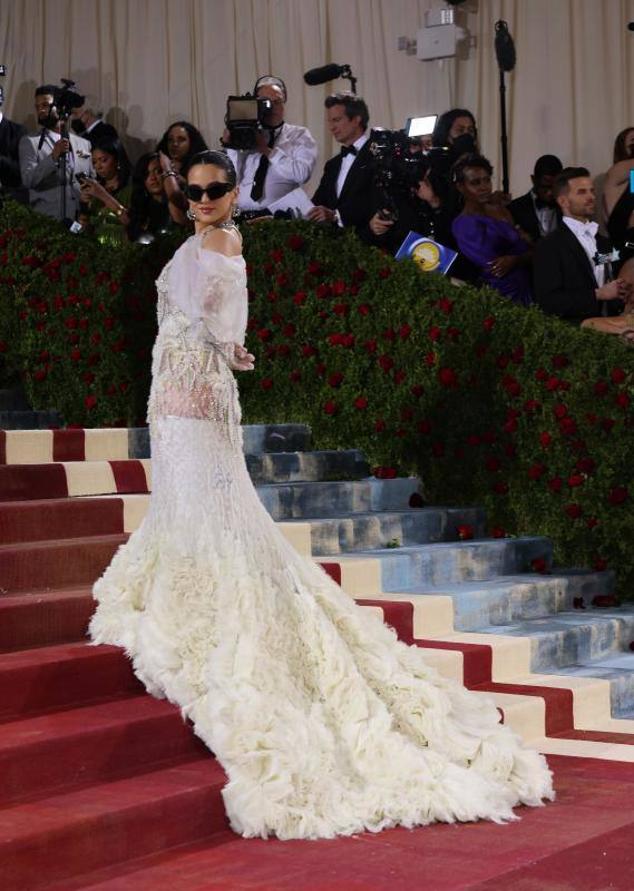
<point>348,150</point>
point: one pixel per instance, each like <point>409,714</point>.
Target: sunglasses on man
<point>213,191</point>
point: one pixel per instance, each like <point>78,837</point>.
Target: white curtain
<point>149,62</point>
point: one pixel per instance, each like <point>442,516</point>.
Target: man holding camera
<point>284,156</point>
<point>50,161</point>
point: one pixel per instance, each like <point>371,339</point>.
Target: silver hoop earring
<point>235,211</point>
<point>190,214</point>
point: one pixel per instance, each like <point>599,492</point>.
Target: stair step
<point>109,823</point>
<point>319,466</point>
<point>90,744</point>
<point>509,598</point>
<point>29,420</point>
<point>72,561</point>
<point>618,669</point>
<point>327,499</point>
<point>57,677</point>
<point>43,618</point>
<point>54,518</point>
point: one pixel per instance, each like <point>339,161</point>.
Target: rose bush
<point>489,403</point>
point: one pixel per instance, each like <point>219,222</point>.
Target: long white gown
<point>324,722</point>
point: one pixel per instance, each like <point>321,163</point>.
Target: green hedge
<point>489,403</point>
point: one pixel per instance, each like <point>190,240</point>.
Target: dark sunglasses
<point>212,191</point>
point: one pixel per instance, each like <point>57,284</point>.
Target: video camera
<point>67,99</point>
<point>244,120</point>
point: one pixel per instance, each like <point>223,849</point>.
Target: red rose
<point>399,377</point>
<point>465,532</point>
<point>553,383</point>
<point>40,374</point>
<point>434,333</point>
<point>71,322</point>
<point>360,403</point>
<point>510,426</point>
<point>339,287</point>
<point>541,374</point>
<point>363,309</point>
<point>430,358</point>
<point>492,464</point>
<point>560,410</point>
<point>88,377</point>
<point>555,484</point>
<point>575,480</point>
<point>622,400</point>
<point>511,385</point>
<point>453,333</point>
<point>536,471</point>
<point>295,375</point>
<point>404,332</point>
<point>600,388</point>
<point>607,424</point>
<point>586,465</point>
<point>379,425</point>
<point>90,401</point>
<point>289,330</point>
<point>417,390</point>
<point>282,279</point>
<point>295,242</point>
<point>299,298</point>
<point>330,407</point>
<point>568,426</point>
<point>75,355</point>
<point>517,356</point>
<point>266,383</point>
<point>502,361</point>
<point>320,368</point>
<point>591,522</point>
<point>445,305</point>
<point>94,359</point>
<point>560,361</point>
<point>113,287</point>
<point>498,532</point>
<point>500,488</point>
<point>473,440</point>
<point>389,334</point>
<point>283,349</point>
<point>600,565</point>
<point>447,377</point>
<point>108,323</point>
<point>386,362</point>
<point>308,351</point>
<point>531,406</point>
<point>322,291</point>
<point>370,346</point>
<point>386,272</point>
<point>617,375</point>
<point>358,274</point>
<point>277,255</point>
<point>341,309</point>
<point>488,323</point>
<point>618,495</point>
<point>335,379</point>
<point>574,511</point>
<point>539,564</point>
<point>95,338</point>
<point>314,267</point>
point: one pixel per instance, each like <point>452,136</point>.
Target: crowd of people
<point>542,248</point>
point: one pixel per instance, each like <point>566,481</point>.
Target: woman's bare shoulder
<point>223,241</point>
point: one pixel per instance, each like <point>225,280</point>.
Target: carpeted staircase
<point>97,776</point>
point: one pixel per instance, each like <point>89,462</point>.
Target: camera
<point>395,169</point>
<point>66,98</point>
<point>244,120</point>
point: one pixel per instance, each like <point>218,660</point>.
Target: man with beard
<point>537,213</point>
<point>284,157</point>
<point>42,160</point>
<point>569,274</point>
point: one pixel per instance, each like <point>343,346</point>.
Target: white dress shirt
<point>291,163</point>
<point>348,161</point>
<point>586,233</point>
<point>546,217</point>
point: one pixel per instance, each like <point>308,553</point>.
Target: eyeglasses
<point>212,191</point>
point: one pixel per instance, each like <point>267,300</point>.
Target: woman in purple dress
<point>486,234</point>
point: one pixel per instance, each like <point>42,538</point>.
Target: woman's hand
<point>90,188</point>
<point>243,360</point>
<point>166,163</point>
<point>379,225</point>
<point>501,266</point>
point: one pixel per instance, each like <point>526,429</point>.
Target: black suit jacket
<point>523,212</point>
<point>101,133</point>
<point>563,277</point>
<point>10,136</point>
<point>359,199</point>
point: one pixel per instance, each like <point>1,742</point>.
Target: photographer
<point>50,161</point>
<point>284,156</point>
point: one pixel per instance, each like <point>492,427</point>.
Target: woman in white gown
<point>324,722</point>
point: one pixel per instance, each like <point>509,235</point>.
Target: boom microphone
<point>504,47</point>
<point>322,75</point>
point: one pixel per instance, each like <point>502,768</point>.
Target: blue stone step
<point>420,569</point>
<point>509,598</point>
<point>361,531</point>
<point>29,420</point>
<point>258,438</point>
<point>281,467</point>
<point>325,500</point>
<point>618,669</point>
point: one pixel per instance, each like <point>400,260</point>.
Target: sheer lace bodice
<point>324,722</point>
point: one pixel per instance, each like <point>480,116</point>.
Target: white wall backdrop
<point>149,62</point>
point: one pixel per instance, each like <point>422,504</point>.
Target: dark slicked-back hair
<point>354,106</point>
<point>547,165</point>
<point>477,161</point>
<point>217,159</point>
<point>561,185</point>
<point>440,136</point>
<point>620,151</point>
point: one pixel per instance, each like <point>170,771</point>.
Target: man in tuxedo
<point>10,180</point>
<point>41,165</point>
<point>569,266</point>
<point>537,213</point>
<point>89,125</point>
<point>284,157</point>
<point>346,193</point>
